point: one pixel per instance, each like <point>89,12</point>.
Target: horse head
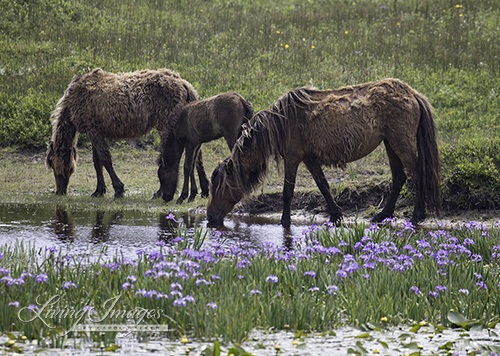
<point>63,163</point>
<point>224,192</point>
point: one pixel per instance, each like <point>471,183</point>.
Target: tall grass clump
<point>326,278</point>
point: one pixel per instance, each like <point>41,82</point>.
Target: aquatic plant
<point>208,289</point>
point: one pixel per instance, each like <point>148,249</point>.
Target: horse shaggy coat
<point>105,106</point>
<point>333,128</point>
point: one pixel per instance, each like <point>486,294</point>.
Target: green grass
<point>261,49</point>
<point>446,50</point>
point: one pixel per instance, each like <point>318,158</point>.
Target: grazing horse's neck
<point>64,137</point>
<point>253,151</point>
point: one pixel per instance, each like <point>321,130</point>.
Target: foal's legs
<point>324,188</point>
<point>190,155</point>
<point>398,180</point>
<point>201,175</point>
<point>101,185</point>
<point>101,148</point>
<point>192,176</point>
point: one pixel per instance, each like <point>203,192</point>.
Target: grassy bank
<point>449,51</point>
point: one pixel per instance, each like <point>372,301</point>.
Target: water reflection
<point>128,230</point>
<point>63,225</point>
<point>103,224</point>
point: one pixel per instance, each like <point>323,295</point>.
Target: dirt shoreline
<point>308,206</point>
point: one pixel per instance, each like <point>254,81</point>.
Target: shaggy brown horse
<point>111,106</point>
<point>332,128</point>
<point>201,121</point>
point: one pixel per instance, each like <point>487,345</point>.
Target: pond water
<point>343,341</point>
<point>127,230</point>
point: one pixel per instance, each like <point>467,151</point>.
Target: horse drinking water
<point>201,121</point>
<point>333,128</point>
<point>111,106</point>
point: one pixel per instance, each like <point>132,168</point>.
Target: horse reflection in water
<point>63,225</point>
<point>121,228</point>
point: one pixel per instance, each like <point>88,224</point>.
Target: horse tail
<point>429,163</point>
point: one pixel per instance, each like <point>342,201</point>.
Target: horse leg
<point>194,189</point>
<point>201,175</point>
<point>319,177</point>
<point>291,166</point>
<point>398,180</point>
<point>101,185</point>
<point>231,141</point>
<point>189,155</point>
<point>168,168</point>
<point>102,148</point>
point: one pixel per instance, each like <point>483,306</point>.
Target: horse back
<point>125,105</point>
<point>346,124</point>
<point>218,116</point>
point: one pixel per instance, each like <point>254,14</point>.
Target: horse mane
<point>266,136</point>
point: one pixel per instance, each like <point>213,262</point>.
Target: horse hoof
<point>336,220</point>
<point>167,197</point>
<point>204,195</point>
<point>417,218</point>
<point>379,218</point>
<point>97,194</point>
<point>156,195</point>
<point>286,222</point>
<point>180,201</point>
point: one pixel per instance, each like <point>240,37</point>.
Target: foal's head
<point>63,163</point>
<point>225,192</point>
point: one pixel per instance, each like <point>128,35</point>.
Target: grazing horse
<point>201,121</point>
<point>111,106</point>
<point>333,128</point>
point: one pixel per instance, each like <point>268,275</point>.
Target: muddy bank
<point>364,203</point>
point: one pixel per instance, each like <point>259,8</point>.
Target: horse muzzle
<point>213,221</point>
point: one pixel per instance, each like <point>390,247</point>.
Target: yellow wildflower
<point>384,319</point>
<point>184,340</point>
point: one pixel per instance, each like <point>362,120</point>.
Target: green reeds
<point>330,277</point>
